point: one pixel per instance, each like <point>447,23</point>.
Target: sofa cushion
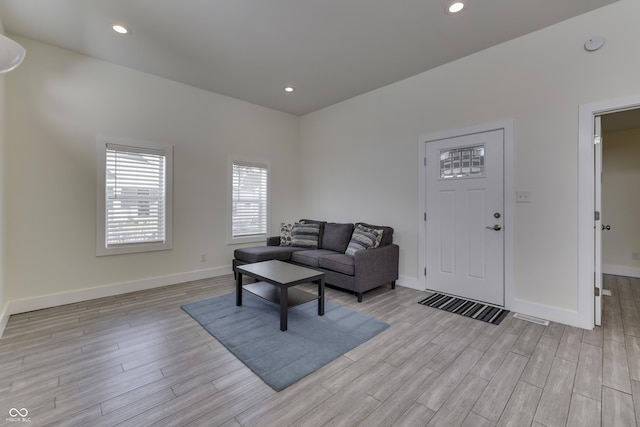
<point>285,234</point>
<point>361,239</point>
<point>340,263</point>
<point>305,235</point>
<point>387,235</point>
<point>310,258</point>
<point>336,236</point>
<point>265,253</point>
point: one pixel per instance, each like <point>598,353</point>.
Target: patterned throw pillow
<point>361,239</point>
<point>305,235</point>
<point>285,234</point>
<point>375,230</point>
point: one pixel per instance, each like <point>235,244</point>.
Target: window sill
<point>251,239</point>
<point>132,249</point>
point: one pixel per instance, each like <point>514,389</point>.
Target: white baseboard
<point>621,270</point>
<point>546,312</point>
<point>4,318</point>
<point>410,282</point>
<point>71,297</point>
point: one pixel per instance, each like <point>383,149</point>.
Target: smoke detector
<point>594,43</point>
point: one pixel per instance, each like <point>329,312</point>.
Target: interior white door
<point>597,228</point>
<point>465,216</point>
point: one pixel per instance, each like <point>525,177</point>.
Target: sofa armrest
<point>375,267</point>
<point>273,241</point>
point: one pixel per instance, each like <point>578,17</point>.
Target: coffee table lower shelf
<point>272,293</point>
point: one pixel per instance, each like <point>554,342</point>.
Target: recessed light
<point>455,7</point>
<point>289,89</point>
<point>120,29</point>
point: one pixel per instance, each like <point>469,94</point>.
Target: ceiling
<point>328,50</point>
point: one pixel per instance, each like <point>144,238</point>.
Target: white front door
<point>465,216</point>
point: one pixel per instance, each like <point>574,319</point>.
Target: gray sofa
<point>359,272</point>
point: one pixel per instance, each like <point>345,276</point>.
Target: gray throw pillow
<point>285,234</point>
<point>379,231</point>
<point>305,235</point>
<point>361,240</point>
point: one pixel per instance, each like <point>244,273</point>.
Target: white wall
<point>359,156</point>
<point>621,202</point>
<point>57,103</point>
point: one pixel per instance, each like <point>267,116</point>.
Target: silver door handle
<point>495,227</point>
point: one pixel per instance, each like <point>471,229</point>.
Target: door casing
<point>507,126</point>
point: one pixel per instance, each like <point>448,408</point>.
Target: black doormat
<point>463,307</point>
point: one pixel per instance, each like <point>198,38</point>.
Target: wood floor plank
<point>283,409</point>
<point>588,381</point>
<point>219,408</point>
<point>345,399</point>
<point>399,378</point>
<point>617,408</point>
<point>493,357</point>
<point>417,415</point>
<point>528,340</point>
<point>352,372</point>
<point>475,420</point>
<point>635,388</point>
<point>521,406</point>
<point>569,347</point>
<point>632,344</point>
<point>629,311</point>
<point>584,412</point>
<point>554,330</point>
<point>116,415</point>
<point>539,365</point>
<point>347,417</point>
<point>495,397</point>
<point>615,367</point>
<point>407,350</point>
<point>463,338</point>
<point>438,393</point>
<point>457,407</point>
<point>398,402</point>
<point>556,396</point>
<point>594,336</point>
<point>172,406</point>
<point>612,319</point>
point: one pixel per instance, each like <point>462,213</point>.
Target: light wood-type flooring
<point>139,360</point>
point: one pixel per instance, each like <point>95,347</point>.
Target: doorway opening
<point>620,200</point>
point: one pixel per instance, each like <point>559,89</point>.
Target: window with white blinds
<point>137,198</point>
<point>249,200</point>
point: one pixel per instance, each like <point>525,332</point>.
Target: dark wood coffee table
<point>276,284</point>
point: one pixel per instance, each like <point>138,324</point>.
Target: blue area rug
<point>252,333</point>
